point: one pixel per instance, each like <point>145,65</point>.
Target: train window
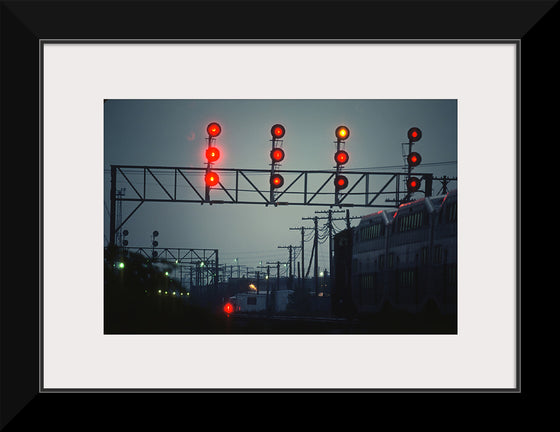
<point>251,300</point>
<point>371,232</point>
<point>411,221</point>
<point>406,278</point>
<point>452,275</point>
<point>425,255</point>
<point>437,257</point>
<point>390,260</point>
<point>452,212</point>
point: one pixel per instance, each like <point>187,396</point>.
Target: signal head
<point>342,133</point>
<point>277,154</point>
<point>414,134</point>
<point>212,154</point>
<point>413,184</point>
<point>340,182</point>
<point>228,308</point>
<point>277,131</point>
<point>341,157</point>
<point>414,159</point>
<point>276,181</point>
<point>211,178</point>
<point>213,129</point>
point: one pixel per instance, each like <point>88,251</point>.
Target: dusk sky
<point>173,132</point>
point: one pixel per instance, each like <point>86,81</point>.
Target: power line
<point>400,166</point>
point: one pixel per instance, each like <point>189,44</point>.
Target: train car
<point>406,258</point>
<point>369,260</point>
<point>444,255</point>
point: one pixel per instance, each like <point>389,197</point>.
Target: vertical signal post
<point>413,160</point>
<point>276,155</point>
<point>211,178</point>
<point>341,157</point>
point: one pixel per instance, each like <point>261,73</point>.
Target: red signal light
<point>413,184</point>
<point>414,159</point>
<point>342,133</point>
<point>341,157</point>
<point>211,178</point>
<point>214,129</point>
<point>212,154</point>
<point>340,182</point>
<point>228,308</point>
<point>414,134</point>
<point>276,181</point>
<point>277,155</point>
<point>277,131</point>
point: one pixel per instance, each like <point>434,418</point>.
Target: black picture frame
<point>25,25</point>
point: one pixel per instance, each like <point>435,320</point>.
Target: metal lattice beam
<point>251,186</point>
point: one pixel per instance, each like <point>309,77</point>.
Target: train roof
<point>450,194</point>
<point>384,215</point>
<point>431,203</point>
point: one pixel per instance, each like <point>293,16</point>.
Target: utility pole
<point>266,278</point>
<point>445,181</point>
<point>330,220</point>
<point>290,248</point>
<point>277,274</point>
<point>316,247</point>
<point>330,227</point>
<point>267,288</point>
<point>302,228</point>
<point>316,271</point>
<point>238,268</point>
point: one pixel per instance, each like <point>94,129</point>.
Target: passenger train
<point>404,259</point>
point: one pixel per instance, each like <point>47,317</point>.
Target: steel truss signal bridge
<point>202,257</point>
<point>252,186</point>
<point>205,261</point>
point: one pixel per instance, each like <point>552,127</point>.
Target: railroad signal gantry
<point>211,185</point>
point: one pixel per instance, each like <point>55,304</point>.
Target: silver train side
<point>403,259</point>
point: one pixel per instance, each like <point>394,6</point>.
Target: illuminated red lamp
<point>414,159</point>
<point>276,181</point>
<point>212,154</point>
<point>277,131</point>
<point>414,134</point>
<point>342,133</point>
<point>214,129</point>
<point>341,157</point>
<point>228,308</point>
<point>211,178</point>
<point>413,184</point>
<point>277,155</point>
<point>340,182</point>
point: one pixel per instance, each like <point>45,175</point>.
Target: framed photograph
<point>150,270</point>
